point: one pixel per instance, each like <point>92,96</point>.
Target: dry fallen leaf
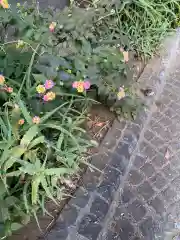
<point>125,54</point>
<point>167,155</point>
<point>99,124</point>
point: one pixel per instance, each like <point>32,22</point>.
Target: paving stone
<point>137,210</point>
<point>165,121</point>
<point>149,152</point>
<point>135,177</point>
<point>169,172</point>
<point>148,169</point>
<point>88,227</point>
<point>146,190</point>
<point>158,180</point>
<point>112,176</point>
<point>59,231</point>
<point>99,208</point>
<point>159,161</point>
<point>176,183</point>
<point>149,135</point>
<point>123,150</point>
<point>119,162</point>
<point>148,228</point>
<point>123,228</point>
<point>111,236</point>
<point>70,214</point>
<point>80,198</point>
<point>134,129</point>
<point>157,142</point>
<point>106,190</point>
<point>129,138</point>
<point>169,194</point>
<point>127,195</point>
<point>158,205</point>
<point>139,161</point>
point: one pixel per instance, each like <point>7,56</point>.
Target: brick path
<point>136,196</point>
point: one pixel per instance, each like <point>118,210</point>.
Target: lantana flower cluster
<point>42,90</point>
<point>81,86</point>
<point>4,86</point>
<point>35,120</point>
<point>4,4</point>
<point>121,93</point>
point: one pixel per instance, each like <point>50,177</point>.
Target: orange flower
<point>49,96</point>
<point>36,120</point>
<point>21,121</point>
<point>4,4</point>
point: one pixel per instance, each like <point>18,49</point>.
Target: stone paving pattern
<point>136,193</point>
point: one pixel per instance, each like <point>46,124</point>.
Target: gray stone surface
<point>136,196</point>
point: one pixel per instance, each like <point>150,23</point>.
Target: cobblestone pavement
<point>136,195</point>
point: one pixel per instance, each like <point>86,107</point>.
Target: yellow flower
<point>40,89</point>
<point>80,88</point>
<point>4,4</point>
<point>21,121</point>
<point>36,120</point>
<point>2,79</point>
<point>121,94</point>
<point>69,71</point>
<point>20,44</point>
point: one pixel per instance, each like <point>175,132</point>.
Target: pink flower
<point>87,85</point>
<point>75,84</point>
<point>52,26</point>
<point>36,120</point>
<point>49,84</point>
<point>9,89</point>
<point>45,98</point>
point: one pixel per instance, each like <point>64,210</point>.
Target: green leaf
<point>36,142</point>
<point>35,188</point>
<point>29,135</point>
<point>60,140</point>
<point>16,226</point>
<point>25,111</point>
<point>58,171</point>
<point>15,153</point>
<point>39,78</point>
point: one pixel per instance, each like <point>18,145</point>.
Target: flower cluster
<point>121,94</point>
<point>4,86</point>
<point>35,120</point>
<point>81,86</point>
<point>41,89</point>
<point>52,26</point>
<point>4,4</point>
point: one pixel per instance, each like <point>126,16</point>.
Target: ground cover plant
<point>52,65</point>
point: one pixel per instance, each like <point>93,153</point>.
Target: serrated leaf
<point>15,153</point>
<point>36,142</point>
<point>58,171</point>
<point>29,135</point>
<point>35,188</point>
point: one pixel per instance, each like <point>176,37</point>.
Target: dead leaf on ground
<point>125,55</point>
<point>167,155</point>
<point>99,124</point>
